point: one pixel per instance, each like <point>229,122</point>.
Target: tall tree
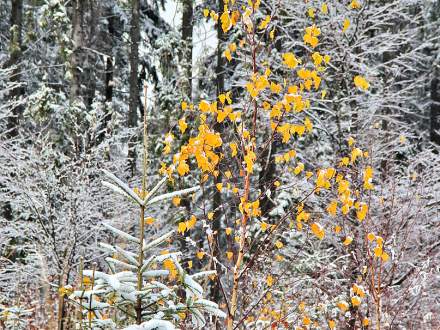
<point>434,130</point>
<point>15,47</point>
<point>217,200</point>
<point>109,71</point>
<point>435,108</point>
<point>133,106</point>
<point>78,38</point>
<point>187,36</point>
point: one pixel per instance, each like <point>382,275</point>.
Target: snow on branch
<point>121,233</point>
<point>172,195</point>
<point>121,188</point>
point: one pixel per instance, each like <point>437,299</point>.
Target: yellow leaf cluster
<point>311,36</point>
<point>317,230</point>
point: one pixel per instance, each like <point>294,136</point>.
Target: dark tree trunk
<point>14,61</point>
<point>434,130</point>
<point>187,35</point>
<point>134,88</point>
<point>108,77</point>
<point>217,200</point>
<point>266,178</point>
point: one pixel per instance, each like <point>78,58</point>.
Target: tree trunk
<point>93,15</point>
<point>108,77</point>
<point>14,61</point>
<point>217,200</point>
<point>266,178</point>
<point>134,88</point>
<point>76,59</point>
<point>434,130</point>
<point>187,35</point>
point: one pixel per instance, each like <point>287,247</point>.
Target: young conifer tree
<point>142,289</point>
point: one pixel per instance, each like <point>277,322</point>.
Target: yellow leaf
<point>378,251</point>
<point>355,153</point>
<point>358,290</point>
<point>225,19</point>
<point>275,88</point>
<point>191,222</point>
<point>308,124</point>
<point>355,4</point>
<point>227,54</point>
<point>306,320</point>
<point>176,201</point>
<point>219,186</point>
<point>317,230</point>
<point>365,322</point>
<point>371,237</point>
<point>269,280</point>
<point>298,169</point>
<point>362,211</point>
<point>351,141</point>
<point>324,8</point>
<point>344,161</point>
<point>264,23</point>
<point>184,105</point>
<point>65,291</point>
<point>233,147</point>
<point>379,241</point>
<point>206,12</point>
<point>182,168</point>
<point>182,125</point>
<point>332,208</point>
<point>348,240</point>
<point>249,159</point>
<point>272,34</point>
<point>200,255</point>
<point>279,244</point>
<point>171,267</point>
<point>290,60</point>
<point>229,255</point>
<point>331,324</point>
<point>279,258</point>
<point>149,220</point>
<point>356,301</point>
<point>361,82</point>
<point>204,106</point>
<point>228,231</point>
<point>342,305</point>
<point>233,48</point>
<point>181,227</point>
<point>368,178</point>
<point>317,59</point>
<point>346,25</point>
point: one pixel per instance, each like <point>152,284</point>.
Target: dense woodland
<point>219,164</point>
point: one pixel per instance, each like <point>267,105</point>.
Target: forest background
<point>284,154</point>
